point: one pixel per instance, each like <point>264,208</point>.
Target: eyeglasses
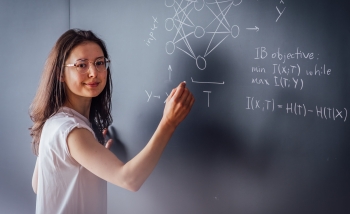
<point>83,65</point>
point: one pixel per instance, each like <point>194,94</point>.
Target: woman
<point>71,112</point>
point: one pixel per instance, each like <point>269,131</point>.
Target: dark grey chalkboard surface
<point>269,132</point>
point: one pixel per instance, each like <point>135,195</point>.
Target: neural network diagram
<point>185,28</point>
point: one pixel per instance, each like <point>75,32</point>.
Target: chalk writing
<point>280,12</point>
<point>297,109</point>
<point>151,34</point>
<point>208,95</point>
<point>319,71</point>
<point>219,83</point>
<point>262,53</point>
<point>255,28</point>
<point>284,74</point>
<point>149,96</point>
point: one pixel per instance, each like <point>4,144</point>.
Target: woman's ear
<point>61,78</point>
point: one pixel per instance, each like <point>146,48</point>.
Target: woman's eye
<point>99,63</point>
<point>81,65</point>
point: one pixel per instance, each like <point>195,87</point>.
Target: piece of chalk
<point>184,81</point>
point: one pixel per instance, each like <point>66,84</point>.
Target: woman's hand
<point>109,143</point>
<point>178,105</point>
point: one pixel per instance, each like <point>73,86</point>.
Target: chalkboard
<point>269,132</point>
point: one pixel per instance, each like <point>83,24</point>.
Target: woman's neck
<point>82,107</point>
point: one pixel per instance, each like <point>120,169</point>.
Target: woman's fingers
<point>109,143</point>
<point>179,91</point>
<point>189,99</point>
<point>104,132</point>
<point>171,94</point>
<point>178,104</point>
<point>176,91</point>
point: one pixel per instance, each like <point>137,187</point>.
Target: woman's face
<point>84,85</point>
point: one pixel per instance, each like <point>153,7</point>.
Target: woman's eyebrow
<point>82,59</point>
<point>99,57</point>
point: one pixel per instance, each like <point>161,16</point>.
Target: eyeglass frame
<point>75,64</point>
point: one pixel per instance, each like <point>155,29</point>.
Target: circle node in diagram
<point>235,31</point>
<point>170,47</point>
<point>201,63</point>
<point>169,24</point>
<point>199,4</point>
<point>199,32</point>
<point>169,3</point>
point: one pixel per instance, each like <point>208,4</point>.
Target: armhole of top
<point>69,129</point>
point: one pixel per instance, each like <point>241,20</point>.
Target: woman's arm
<point>93,156</point>
<point>35,177</point>
<point>35,173</point>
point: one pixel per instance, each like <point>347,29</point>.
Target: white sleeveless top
<point>64,186</point>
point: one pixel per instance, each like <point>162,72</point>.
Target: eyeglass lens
<point>101,64</point>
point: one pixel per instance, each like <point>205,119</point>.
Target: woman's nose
<point>92,69</point>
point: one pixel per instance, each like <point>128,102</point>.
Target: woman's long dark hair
<point>51,93</point>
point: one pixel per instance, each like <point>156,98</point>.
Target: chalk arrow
<point>256,28</point>
<point>169,69</point>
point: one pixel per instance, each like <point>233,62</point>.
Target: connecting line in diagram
<point>185,27</point>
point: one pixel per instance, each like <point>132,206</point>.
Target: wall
<point>29,29</point>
